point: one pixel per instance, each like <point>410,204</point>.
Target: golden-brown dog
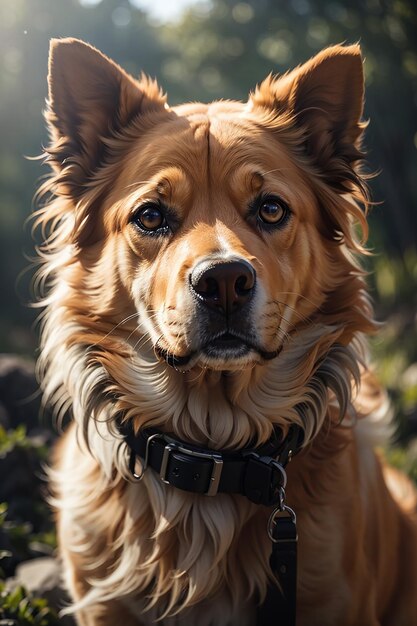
<point>202,280</point>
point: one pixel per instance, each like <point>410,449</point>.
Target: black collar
<point>257,473</point>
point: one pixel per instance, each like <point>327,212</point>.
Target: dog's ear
<point>90,98</point>
<point>324,97</point>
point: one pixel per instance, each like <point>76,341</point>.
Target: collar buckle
<point>213,456</point>
<point>265,479</point>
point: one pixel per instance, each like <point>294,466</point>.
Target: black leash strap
<point>279,606</point>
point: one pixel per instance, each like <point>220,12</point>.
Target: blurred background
<point>208,49</point>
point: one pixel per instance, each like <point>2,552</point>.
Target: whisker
<point>124,321</point>
<point>198,374</point>
<point>302,317</point>
<point>294,293</point>
<point>142,341</point>
<point>130,335</point>
<point>284,333</point>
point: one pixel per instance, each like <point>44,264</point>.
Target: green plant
<point>20,608</point>
<point>26,527</point>
<point>404,458</point>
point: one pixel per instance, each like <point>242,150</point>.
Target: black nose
<point>224,286</point>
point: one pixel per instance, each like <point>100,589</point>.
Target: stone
<point>42,577</point>
<point>20,398</point>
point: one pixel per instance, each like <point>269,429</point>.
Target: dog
<point>205,307</point>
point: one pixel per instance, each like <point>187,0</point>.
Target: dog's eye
<point>273,211</point>
<point>150,218</point>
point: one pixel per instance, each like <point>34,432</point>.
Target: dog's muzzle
<point>224,294</point>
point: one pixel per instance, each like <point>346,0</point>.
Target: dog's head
<point>211,235</point>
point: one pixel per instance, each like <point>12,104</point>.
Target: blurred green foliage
<point>16,439</point>
<point>394,348</point>
<point>404,459</point>
<point>20,608</point>
<point>26,526</point>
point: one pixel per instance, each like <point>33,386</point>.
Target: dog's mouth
<point>226,341</point>
<point>226,347</point>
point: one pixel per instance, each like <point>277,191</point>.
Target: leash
<point>257,473</point>
<point>281,597</point>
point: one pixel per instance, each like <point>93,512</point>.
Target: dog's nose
<point>224,286</point>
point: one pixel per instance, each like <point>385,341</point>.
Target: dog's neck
<point>221,409</point>
<point>229,409</point>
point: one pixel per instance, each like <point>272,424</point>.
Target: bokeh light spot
<point>121,17</point>
<point>242,12</point>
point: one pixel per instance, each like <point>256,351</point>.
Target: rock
<point>42,577</point>
<point>20,397</point>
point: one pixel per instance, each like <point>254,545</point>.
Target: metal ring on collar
<point>144,463</point>
<point>275,513</point>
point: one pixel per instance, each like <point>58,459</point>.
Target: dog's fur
<point>120,314</point>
